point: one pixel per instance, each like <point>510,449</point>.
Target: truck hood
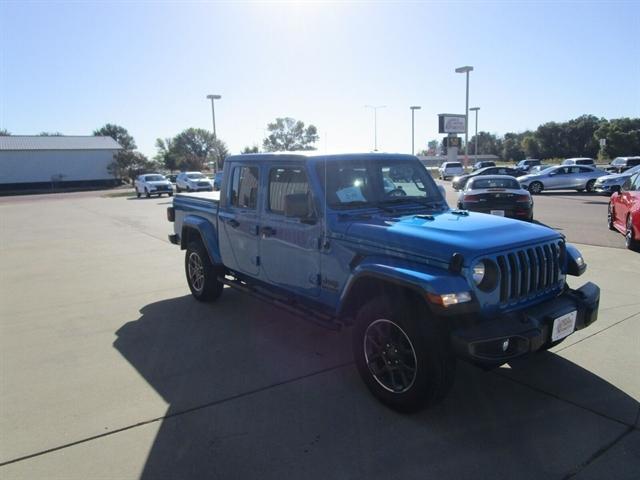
<point>448,233</point>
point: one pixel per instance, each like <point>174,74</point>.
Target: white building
<point>45,162</point>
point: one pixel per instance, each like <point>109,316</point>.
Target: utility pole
<point>466,70</point>
<point>375,124</point>
<point>413,111</point>
<point>475,109</point>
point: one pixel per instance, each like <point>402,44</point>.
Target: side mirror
<point>296,205</point>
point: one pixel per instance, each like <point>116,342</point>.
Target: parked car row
<point>156,184</point>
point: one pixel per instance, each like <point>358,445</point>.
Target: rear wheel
<point>401,355</point>
<point>590,185</point>
<point>611,218</point>
<point>202,276</point>
<point>536,187</point>
<point>629,238</point>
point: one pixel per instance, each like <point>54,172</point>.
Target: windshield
<point>370,183</point>
<point>633,170</point>
<point>480,183</point>
<point>154,178</point>
<point>195,176</point>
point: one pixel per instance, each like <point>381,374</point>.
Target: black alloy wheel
<point>402,355</point>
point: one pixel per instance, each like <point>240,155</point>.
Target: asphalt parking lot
<point>109,369</point>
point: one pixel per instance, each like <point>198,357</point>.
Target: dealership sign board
<point>451,123</point>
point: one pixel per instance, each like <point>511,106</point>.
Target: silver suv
<point>193,182</point>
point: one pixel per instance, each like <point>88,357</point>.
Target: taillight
<point>471,198</point>
<point>523,198</point>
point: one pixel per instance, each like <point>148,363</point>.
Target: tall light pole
<point>375,124</point>
<point>475,109</point>
<point>213,111</point>
<point>466,70</point>
<point>413,111</point>
<point>213,115</point>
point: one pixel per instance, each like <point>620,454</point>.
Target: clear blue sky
<point>73,66</point>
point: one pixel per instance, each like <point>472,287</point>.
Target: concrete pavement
<point>110,370</point>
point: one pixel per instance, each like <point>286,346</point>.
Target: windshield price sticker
<point>564,326</point>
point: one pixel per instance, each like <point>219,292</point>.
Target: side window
<point>585,170</point>
<point>285,181</point>
<point>244,188</point>
<point>635,182</point>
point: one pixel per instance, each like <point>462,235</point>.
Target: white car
<point>580,161</point>
<point>450,169</point>
<point>193,182</point>
<point>153,184</point>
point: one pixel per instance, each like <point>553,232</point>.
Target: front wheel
<point>401,355</point>
<point>590,185</point>
<point>202,276</point>
<point>137,193</point>
<point>536,187</point>
<point>147,193</point>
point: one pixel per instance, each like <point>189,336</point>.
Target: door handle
<point>233,222</point>
<point>268,231</point>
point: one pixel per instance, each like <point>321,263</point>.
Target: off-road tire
<point>206,288</point>
<point>433,360</point>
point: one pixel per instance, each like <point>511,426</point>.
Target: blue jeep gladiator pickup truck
<point>368,240</point>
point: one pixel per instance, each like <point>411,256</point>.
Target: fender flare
<point>207,234</point>
<point>420,278</point>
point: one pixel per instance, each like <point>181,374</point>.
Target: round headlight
<point>478,272</point>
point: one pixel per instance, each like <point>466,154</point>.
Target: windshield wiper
<point>405,200</point>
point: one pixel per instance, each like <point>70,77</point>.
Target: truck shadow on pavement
<point>254,392</point>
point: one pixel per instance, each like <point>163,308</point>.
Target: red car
<point>624,211</point>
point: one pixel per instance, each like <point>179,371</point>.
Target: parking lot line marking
<point>176,414</point>
<point>598,332</point>
<point>597,454</point>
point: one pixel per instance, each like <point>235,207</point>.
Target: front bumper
<point>526,331</point>
<point>606,189</point>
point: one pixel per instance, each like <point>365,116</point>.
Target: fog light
<point>449,299</point>
<point>505,345</point>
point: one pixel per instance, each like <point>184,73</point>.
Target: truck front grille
<point>529,271</point>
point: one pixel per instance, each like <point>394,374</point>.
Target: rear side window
<point>285,181</point>
<point>244,188</point>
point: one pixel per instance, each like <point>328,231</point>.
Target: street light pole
<point>213,111</point>
<point>413,111</point>
<point>375,124</point>
<point>466,70</point>
<point>475,109</point>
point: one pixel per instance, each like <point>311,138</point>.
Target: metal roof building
<point>44,162</point>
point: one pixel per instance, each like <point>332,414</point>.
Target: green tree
<point>488,144</point>
<point>51,134</point>
<point>622,136</point>
<point>252,149</point>
<point>195,147</point>
<point>511,147</point>
<point>288,134</point>
<point>580,139</point>
<point>119,134</point>
<point>166,156</point>
<point>129,164</point>
<point>530,146</point>
<point>4,132</point>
